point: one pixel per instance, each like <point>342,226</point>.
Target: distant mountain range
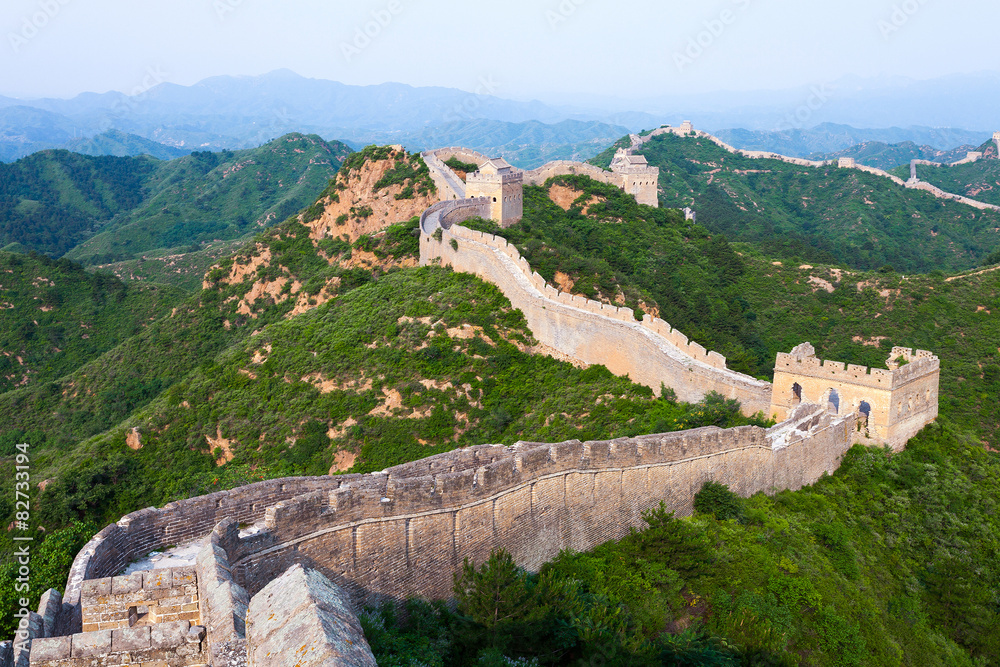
<point>829,138</point>
<point>228,112</point>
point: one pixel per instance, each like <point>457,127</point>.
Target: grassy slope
<point>418,362</point>
<point>209,196</point>
<point>826,214</point>
<point>55,317</point>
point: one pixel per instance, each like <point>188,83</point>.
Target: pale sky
<point>622,49</point>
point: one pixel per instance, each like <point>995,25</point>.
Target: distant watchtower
<point>892,404</point>
<point>636,177</point>
<point>996,139</point>
<point>504,185</point>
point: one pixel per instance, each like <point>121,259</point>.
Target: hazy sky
<point>522,48</point>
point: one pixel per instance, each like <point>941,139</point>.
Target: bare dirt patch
<point>222,443</point>
<point>564,197</point>
<point>874,341</point>
<point>133,440</point>
<point>564,282</point>
<point>822,284</point>
<point>343,461</point>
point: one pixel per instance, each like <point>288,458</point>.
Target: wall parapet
<point>141,532</point>
<point>381,534</point>
<point>920,364</point>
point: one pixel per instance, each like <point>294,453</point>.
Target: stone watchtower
<point>636,177</point>
<point>892,404</point>
<point>996,139</point>
<point>504,185</point>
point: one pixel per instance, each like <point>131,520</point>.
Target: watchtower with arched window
<point>891,404</point>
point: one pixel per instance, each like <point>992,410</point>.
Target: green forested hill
<point>208,196</point>
<point>302,355</point>
<point>121,207</point>
<point>819,214</point>
<point>55,317</point>
<point>53,200</point>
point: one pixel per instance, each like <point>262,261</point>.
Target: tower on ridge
<point>504,185</point>
<point>636,177</point>
<point>996,139</point>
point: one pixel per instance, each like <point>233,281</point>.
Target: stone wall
<point>224,602</point>
<point>406,531</point>
<point>140,598</point>
<point>174,644</point>
<point>568,167</point>
<point>650,352</point>
<point>141,532</point>
<point>449,185</point>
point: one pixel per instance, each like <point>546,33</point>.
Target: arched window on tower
<point>796,393</point>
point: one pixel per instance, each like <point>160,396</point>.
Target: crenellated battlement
<point>403,531</point>
<point>917,364</point>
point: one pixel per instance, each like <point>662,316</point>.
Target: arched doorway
<point>796,393</point>
<point>864,414</point>
<point>833,402</point>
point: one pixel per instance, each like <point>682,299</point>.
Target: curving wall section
<point>649,352</point>
<point>406,531</point>
<point>139,533</point>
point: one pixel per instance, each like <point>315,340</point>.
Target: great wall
<point>403,532</point>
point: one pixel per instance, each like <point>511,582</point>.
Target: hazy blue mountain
<point>828,138</point>
<point>25,130</point>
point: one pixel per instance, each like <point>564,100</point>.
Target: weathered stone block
<point>130,639</point>
<point>95,588</point>
<point>49,608</point>
<point>156,580</point>
<point>53,648</point>
<point>301,619</point>
<point>168,635</point>
<point>183,576</point>
<point>92,644</point>
<point>131,583</point>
